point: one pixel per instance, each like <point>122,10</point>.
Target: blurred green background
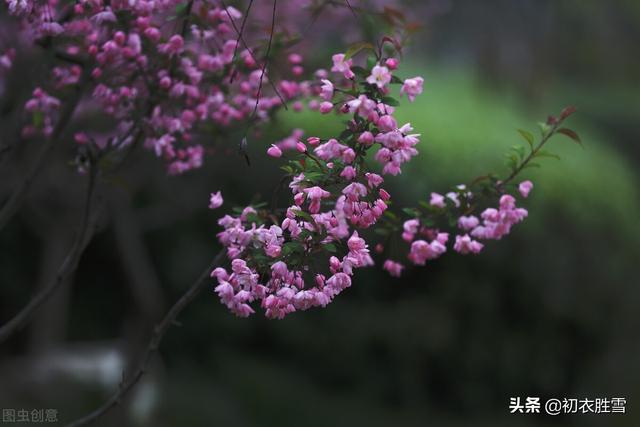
<point>550,311</point>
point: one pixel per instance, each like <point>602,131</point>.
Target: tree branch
<point>156,338</point>
<point>246,45</point>
<point>68,266</point>
<point>14,202</point>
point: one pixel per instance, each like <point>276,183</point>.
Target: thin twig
<point>266,58</point>
<point>156,338</point>
<point>531,155</point>
<point>355,15</point>
<point>246,46</point>
<point>68,266</point>
<point>12,205</point>
<point>244,21</point>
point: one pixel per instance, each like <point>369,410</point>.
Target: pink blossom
<point>380,76</point>
<point>354,191</point>
<point>373,179</point>
<point>326,107</point>
<point>326,90</point>
<point>412,87</point>
<point>392,63</point>
<point>421,251</point>
<point>525,188</point>
<point>342,66</point>
<point>215,200</point>
<point>366,138</point>
<point>394,268</point>
<point>348,173</point>
<point>437,200</point>
<point>315,195</point>
<point>300,147</point>
<point>387,123</point>
<point>468,222</point>
<point>464,245</point>
<point>274,151</point>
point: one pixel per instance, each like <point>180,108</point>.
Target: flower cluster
<point>334,196</point>
<point>291,264</point>
<point>43,107</point>
<point>495,224</point>
<point>177,84</point>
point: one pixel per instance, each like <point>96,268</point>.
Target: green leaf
<point>287,169</point>
<point>528,136</point>
<point>390,215</point>
<point>390,101</point>
<point>303,215</point>
<point>519,150</point>
<point>359,71</point>
<point>345,134</point>
<point>571,134</point>
<point>291,247</point>
<point>381,231</point>
<point>396,80</point>
<point>544,128</point>
<point>330,247</point>
<point>511,161</point>
<point>371,61</point>
<point>181,9</point>
<point>409,211</point>
<point>38,119</point>
<point>424,204</point>
<point>543,153</point>
<point>251,218</point>
<point>357,47</point>
<point>531,165</point>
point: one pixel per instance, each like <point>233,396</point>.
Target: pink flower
<point>373,179</point>
<point>326,107</point>
<point>384,195</point>
<point>392,63</point>
<point>348,173</point>
<point>315,195</point>
<point>273,250</point>
<point>387,123</point>
<point>342,66</point>
<point>295,58</point>
<point>525,188</point>
<point>274,151</point>
<point>468,222</point>
<point>279,269</point>
<point>364,106</point>
<point>465,245</point>
<point>380,76</point>
<point>300,147</point>
<point>354,191</point>
<point>216,200</point>
<point>326,90</point>
<point>394,268</point>
<point>366,138</point>
<point>437,200</point>
<point>412,87</point>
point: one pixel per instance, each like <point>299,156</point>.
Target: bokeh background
<point>551,311</point>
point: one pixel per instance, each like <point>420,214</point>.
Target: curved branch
<point>158,334</point>
<point>68,266</point>
<point>15,200</point>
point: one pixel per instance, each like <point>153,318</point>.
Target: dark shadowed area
<point>550,312</point>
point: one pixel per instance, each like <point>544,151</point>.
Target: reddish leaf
<point>567,112</point>
<point>571,134</point>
